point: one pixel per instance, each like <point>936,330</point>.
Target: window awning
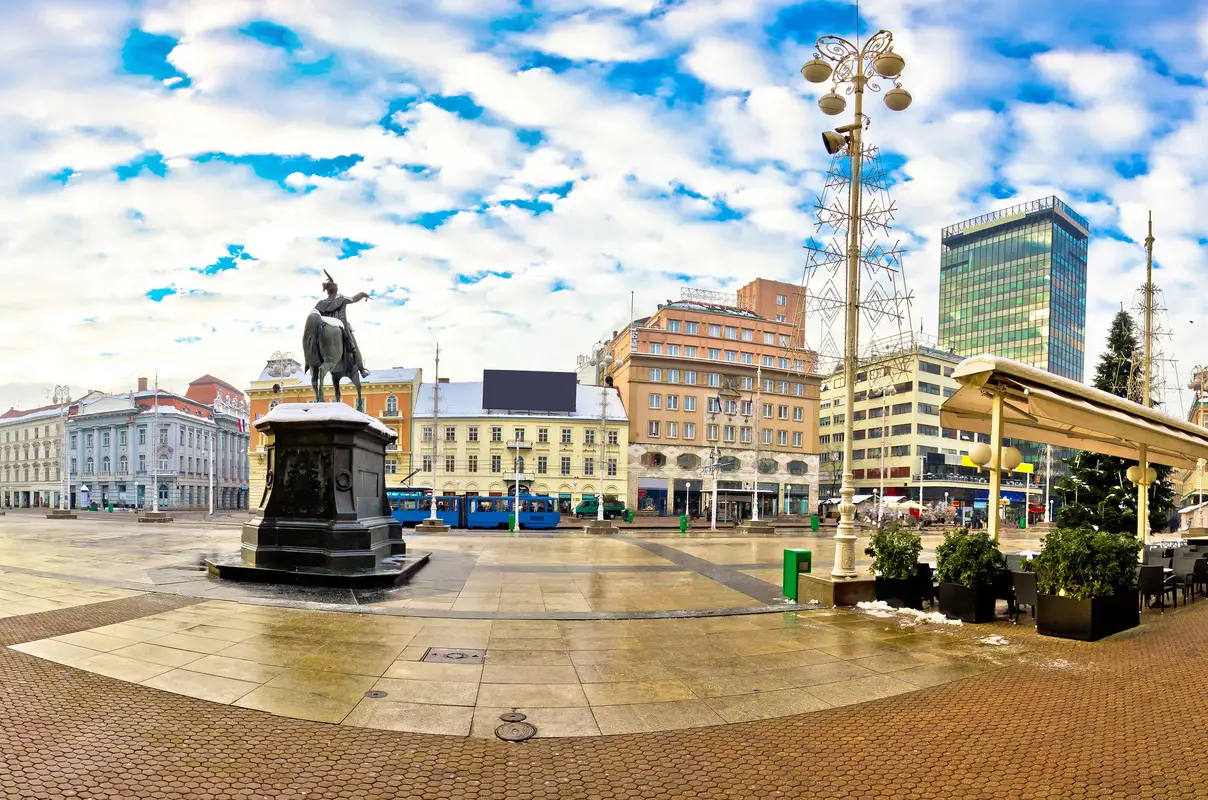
<point>1041,407</point>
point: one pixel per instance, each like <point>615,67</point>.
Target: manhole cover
<point>374,693</point>
<point>513,716</point>
<point>515,731</point>
<point>451,655</point>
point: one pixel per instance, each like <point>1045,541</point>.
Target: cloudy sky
<point>501,174</point>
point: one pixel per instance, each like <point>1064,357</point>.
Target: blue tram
<point>410,507</point>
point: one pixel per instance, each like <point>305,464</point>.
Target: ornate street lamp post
<point>63,396</point>
<point>601,358</point>
<point>854,68</point>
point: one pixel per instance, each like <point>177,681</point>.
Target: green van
<point>588,508</point>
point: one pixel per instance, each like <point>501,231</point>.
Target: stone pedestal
<point>429,525</point>
<point>58,513</point>
<point>155,516</point>
<point>325,520</point>
<point>830,591</point>
<point>601,526</point>
<point>761,527</point>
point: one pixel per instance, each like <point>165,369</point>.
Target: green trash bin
<point>511,522</point>
<point>111,508</point>
<point>683,522</point>
<point>629,515</point>
<point>795,562</point>
<point>813,522</point>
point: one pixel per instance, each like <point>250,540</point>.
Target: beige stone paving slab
<point>120,667</point>
<point>765,705</point>
<point>893,662</point>
<point>335,685</point>
<point>549,722</point>
<point>648,717</point>
<point>59,652</point>
<point>728,685</point>
<point>617,673</point>
<point>300,705</point>
<point>236,668</point>
<point>352,658</point>
<point>792,658</point>
<point>926,675</point>
<point>536,658</point>
<point>412,717</point>
<point>155,654</point>
<point>514,695</point>
<point>429,671</point>
<point>95,641</point>
<point>182,641</point>
<point>221,633</point>
<point>830,672</point>
<point>275,650</point>
<point>503,673</point>
<point>860,649</point>
<point>201,685</point>
<point>634,692</point>
<point>526,644</point>
<point>124,630</point>
<point>444,693</point>
<point>859,690</point>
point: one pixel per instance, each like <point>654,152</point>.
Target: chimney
<point>142,384</point>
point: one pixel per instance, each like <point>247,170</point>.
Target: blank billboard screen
<point>521,390</point>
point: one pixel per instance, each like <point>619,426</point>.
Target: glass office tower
<point>1013,284</point>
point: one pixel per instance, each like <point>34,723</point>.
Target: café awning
<point>1041,407</point>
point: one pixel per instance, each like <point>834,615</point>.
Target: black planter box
<point>974,605</point>
<point>900,593</point>
<point>1086,620</point>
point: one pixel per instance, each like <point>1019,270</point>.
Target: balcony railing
<point>512,477</point>
<point>519,444</point>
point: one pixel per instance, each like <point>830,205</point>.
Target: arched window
<point>88,465</point>
<point>392,406</point>
<point>105,462</point>
<point>35,472</point>
<point>123,465</point>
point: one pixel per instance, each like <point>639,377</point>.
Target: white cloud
<point>97,246</point>
<point>584,38</point>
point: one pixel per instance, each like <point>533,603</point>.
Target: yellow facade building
<point>480,452</point>
<point>388,394</point>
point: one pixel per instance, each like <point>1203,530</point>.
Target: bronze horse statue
<point>329,345</point>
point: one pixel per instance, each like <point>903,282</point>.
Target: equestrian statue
<point>328,343</point>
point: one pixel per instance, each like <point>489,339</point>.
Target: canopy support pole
<point>1143,496</point>
<point>993,509</point>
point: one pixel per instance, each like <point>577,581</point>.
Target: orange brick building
<point>720,376</point>
<point>388,394</point>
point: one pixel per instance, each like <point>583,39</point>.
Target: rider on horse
<point>334,306</point>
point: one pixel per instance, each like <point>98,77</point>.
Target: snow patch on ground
<point>909,616</point>
<point>995,640</point>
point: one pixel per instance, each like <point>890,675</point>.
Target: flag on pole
<point>242,424</point>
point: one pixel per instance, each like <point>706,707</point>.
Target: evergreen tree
<point>1097,490</point>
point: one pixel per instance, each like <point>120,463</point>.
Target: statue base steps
<point>155,516</point>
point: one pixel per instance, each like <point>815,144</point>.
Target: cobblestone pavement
<point>1123,719</point>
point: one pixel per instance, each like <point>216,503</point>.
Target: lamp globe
<point>832,104</point>
<point>897,99</point>
<point>980,454</point>
<point>816,70</point>
<point>889,64</point>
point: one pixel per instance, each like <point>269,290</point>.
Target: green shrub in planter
<point>969,567</point>
<point>1082,562</point>
<point>895,550</point>
<point>1087,581</point>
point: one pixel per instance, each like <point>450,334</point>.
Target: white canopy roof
<point>1041,407</point>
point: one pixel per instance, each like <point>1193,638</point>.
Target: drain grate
<point>375,694</point>
<point>454,655</point>
<point>512,717</point>
<point>515,731</point>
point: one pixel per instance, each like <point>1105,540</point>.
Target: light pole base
<point>601,526</point>
<point>58,513</point>
<point>155,516</point>
<point>432,526</point>
<point>754,526</point>
<point>845,557</point>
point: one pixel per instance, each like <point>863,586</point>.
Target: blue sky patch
<point>273,35</point>
<point>277,168</point>
<point>157,295</point>
<point>560,286</point>
<point>529,137</point>
<point>461,104</point>
<point>658,77</point>
<point>187,339</point>
<point>147,54</point>
<point>235,253</point>
<point>149,162</point>
<point>469,279</point>
<point>432,219</point>
<point>348,248</point>
<point>62,176</point>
